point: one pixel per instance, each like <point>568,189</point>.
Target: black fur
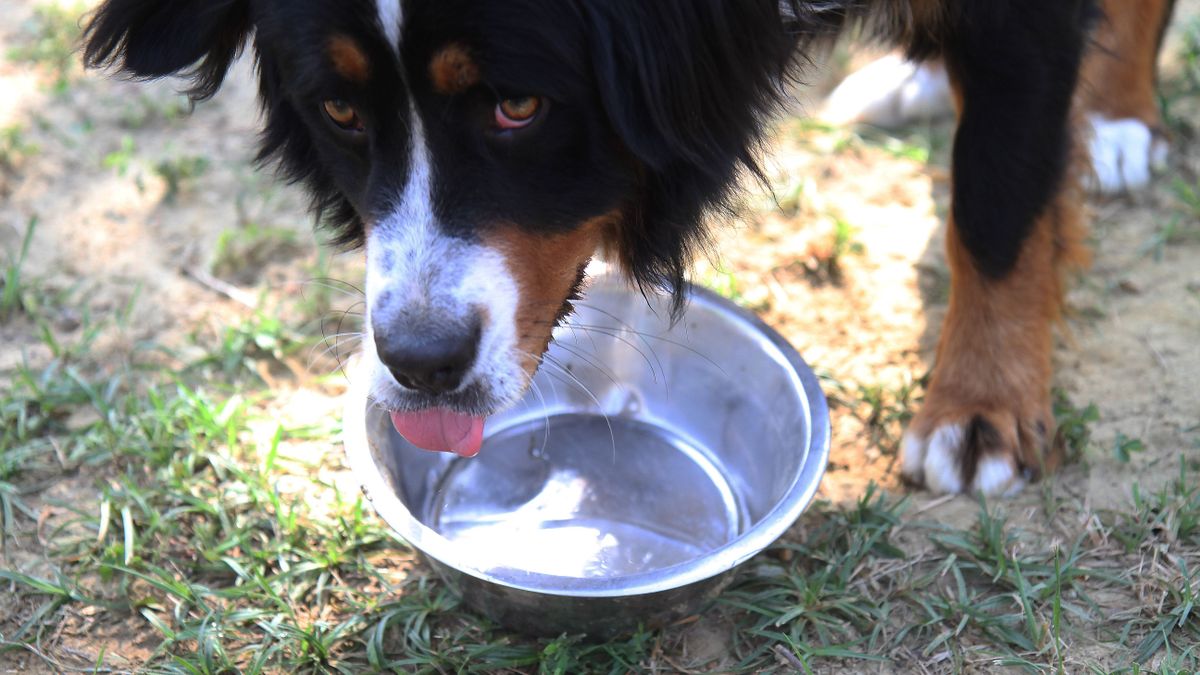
<point>1017,63</point>
<point>152,38</point>
<point>688,87</point>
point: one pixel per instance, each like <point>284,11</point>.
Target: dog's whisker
<point>537,360</point>
<point>549,361</point>
<point>593,363</point>
<point>332,346</point>
<point>338,333</point>
<point>348,311</point>
<point>339,285</point>
<point>545,418</point>
<point>611,331</point>
<point>614,333</point>
<point>591,330</point>
<point>338,336</point>
<point>625,326</point>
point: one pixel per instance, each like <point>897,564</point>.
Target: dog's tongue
<point>441,430</point>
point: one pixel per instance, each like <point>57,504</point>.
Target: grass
<point>215,529</point>
<point>12,293</point>
<point>1184,84</point>
<point>1074,424</point>
<point>883,409</point>
<point>204,522</point>
<point>14,147</point>
<point>179,173</point>
<point>175,518</point>
<point>251,348</point>
<point>121,159</point>
<point>146,110</point>
<point>241,252</point>
<point>1179,228</point>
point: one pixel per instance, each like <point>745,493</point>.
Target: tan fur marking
<point>545,269</point>
<point>1121,69</point>
<point>452,70</point>
<point>349,59</point>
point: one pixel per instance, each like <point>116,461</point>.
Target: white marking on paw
<point>891,92</point>
<point>943,461</point>
<point>997,475</point>
<point>1124,154</point>
<point>912,457</point>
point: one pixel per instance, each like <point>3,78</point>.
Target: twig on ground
<point>786,656</point>
<point>935,503</point>
<point>219,287</point>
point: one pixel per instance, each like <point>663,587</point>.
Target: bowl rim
<point>733,553</point>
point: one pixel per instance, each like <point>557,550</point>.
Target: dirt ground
<point>95,163</point>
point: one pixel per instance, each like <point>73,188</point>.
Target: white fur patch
<point>938,463</point>
<point>1124,154</point>
<point>943,460</point>
<point>997,475</point>
<point>419,267</point>
<point>891,92</point>
<point>391,17</point>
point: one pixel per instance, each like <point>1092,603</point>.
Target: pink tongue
<point>441,430</point>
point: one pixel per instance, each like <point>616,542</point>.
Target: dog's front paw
<point>994,450</point>
<point>891,92</point>
<point>1125,154</point>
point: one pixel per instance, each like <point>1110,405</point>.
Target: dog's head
<point>482,152</point>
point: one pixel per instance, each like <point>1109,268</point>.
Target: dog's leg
<point>1117,92</point>
<point>987,424</point>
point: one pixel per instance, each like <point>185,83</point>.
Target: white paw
<point>997,475</point>
<point>1124,154</point>
<point>936,462</point>
<point>943,460</point>
<point>891,92</point>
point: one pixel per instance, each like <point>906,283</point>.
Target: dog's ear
<point>155,38</point>
<point>688,86</point>
<point>688,79</point>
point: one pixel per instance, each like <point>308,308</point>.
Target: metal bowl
<point>645,465</point>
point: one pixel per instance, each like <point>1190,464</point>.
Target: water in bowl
<point>585,496</point>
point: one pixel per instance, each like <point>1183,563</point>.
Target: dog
<point>483,152</point>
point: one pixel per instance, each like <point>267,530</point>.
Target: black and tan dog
<point>484,151</point>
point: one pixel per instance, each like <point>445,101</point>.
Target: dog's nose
<point>433,361</point>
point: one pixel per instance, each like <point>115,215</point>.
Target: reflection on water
<point>545,536</point>
<point>581,548</point>
<point>576,509</point>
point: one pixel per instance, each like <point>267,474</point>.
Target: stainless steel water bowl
<point>643,467</point>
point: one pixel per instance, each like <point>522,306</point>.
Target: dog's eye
<point>514,113</point>
<point>343,114</point>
